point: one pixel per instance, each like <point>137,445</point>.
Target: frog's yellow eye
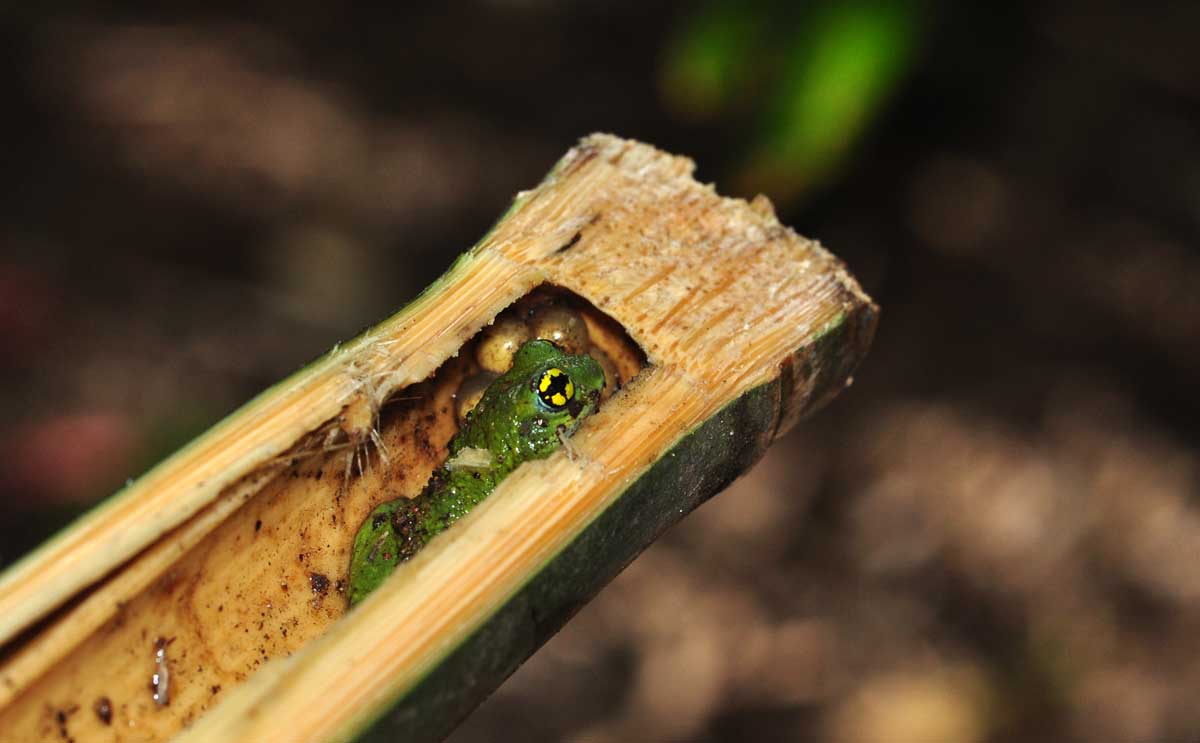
<point>555,388</point>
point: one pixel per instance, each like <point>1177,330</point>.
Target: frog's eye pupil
<point>555,388</point>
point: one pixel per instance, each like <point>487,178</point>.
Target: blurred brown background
<point>993,535</point>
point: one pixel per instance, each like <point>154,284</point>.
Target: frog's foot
<point>572,453</point>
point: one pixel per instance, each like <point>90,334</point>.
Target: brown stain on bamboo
<point>228,617</point>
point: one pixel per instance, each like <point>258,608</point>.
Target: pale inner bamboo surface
<point>372,366</point>
<point>715,292</point>
<point>241,589</point>
<point>260,585</point>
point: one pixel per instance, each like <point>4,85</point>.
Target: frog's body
<point>525,414</point>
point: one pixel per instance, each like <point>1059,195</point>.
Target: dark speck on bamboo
<point>103,709</point>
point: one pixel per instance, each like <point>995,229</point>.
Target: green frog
<point>527,413</point>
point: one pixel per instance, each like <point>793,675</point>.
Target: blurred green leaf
<point>708,64</point>
<point>839,71</point>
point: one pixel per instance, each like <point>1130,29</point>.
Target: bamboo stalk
<point>233,550</point>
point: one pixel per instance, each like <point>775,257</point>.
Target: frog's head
<point>562,388</point>
<point>545,395</point>
<point>528,409</point>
